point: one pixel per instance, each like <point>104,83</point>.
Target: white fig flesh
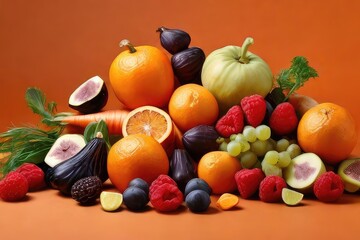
<point>349,171</point>
<point>303,170</point>
<point>86,91</point>
<point>64,148</point>
<point>90,97</point>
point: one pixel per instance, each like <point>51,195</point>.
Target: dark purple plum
<point>135,199</point>
<point>198,201</point>
<point>197,184</point>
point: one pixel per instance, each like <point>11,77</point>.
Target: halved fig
<point>349,171</point>
<point>64,148</point>
<point>303,171</point>
<point>89,97</point>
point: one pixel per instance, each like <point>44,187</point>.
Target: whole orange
<point>142,76</point>
<point>191,105</point>
<point>136,156</point>
<point>218,169</point>
<point>329,131</point>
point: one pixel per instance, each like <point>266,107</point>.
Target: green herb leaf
<point>293,78</point>
<point>30,143</point>
<point>36,101</point>
<point>93,128</point>
<point>26,144</point>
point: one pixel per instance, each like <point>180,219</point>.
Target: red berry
<point>231,123</point>
<point>160,180</point>
<point>283,119</point>
<point>13,187</point>
<point>166,197</point>
<point>34,175</point>
<point>328,187</point>
<point>248,181</point>
<point>270,189</point>
<point>254,108</point>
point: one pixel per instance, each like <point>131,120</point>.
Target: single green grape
<point>284,159</point>
<point>270,144</point>
<point>248,159</point>
<point>249,133</point>
<point>233,136</point>
<point>271,170</point>
<point>240,137</point>
<point>263,132</point>
<point>259,148</point>
<point>282,145</point>
<point>272,157</point>
<point>294,150</point>
<point>220,140</point>
<point>245,146</point>
<point>233,148</point>
<point>223,146</point>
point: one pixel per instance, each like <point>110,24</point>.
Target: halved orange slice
<point>151,121</point>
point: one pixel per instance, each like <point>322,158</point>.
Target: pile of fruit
<point>192,126</point>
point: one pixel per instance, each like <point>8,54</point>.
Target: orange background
<point>56,45</point>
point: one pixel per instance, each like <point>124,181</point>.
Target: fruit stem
<point>99,135</point>
<point>244,48</point>
<point>161,29</point>
<point>127,43</point>
<point>292,90</point>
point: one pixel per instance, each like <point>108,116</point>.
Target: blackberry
<point>87,190</point>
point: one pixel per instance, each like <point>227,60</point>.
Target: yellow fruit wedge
<point>111,201</point>
<point>291,197</point>
<point>227,201</point>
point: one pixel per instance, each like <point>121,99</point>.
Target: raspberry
<point>34,175</point>
<point>283,119</point>
<point>328,187</point>
<point>270,189</point>
<point>166,197</point>
<point>248,181</point>
<point>231,123</point>
<point>160,180</point>
<point>13,187</point>
<point>254,108</point>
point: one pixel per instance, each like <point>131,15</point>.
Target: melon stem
<point>244,48</point>
<point>126,43</point>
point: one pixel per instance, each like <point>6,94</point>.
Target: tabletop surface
<point>56,45</point>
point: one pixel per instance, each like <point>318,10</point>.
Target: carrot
<point>113,119</point>
<point>227,201</point>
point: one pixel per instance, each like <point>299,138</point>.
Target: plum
<point>198,201</point>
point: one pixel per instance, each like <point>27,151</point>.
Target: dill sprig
<point>30,143</point>
<point>26,144</point>
<point>293,78</point>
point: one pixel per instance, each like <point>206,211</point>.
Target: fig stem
<point>126,43</point>
<point>99,135</point>
<point>161,29</point>
<point>244,48</point>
